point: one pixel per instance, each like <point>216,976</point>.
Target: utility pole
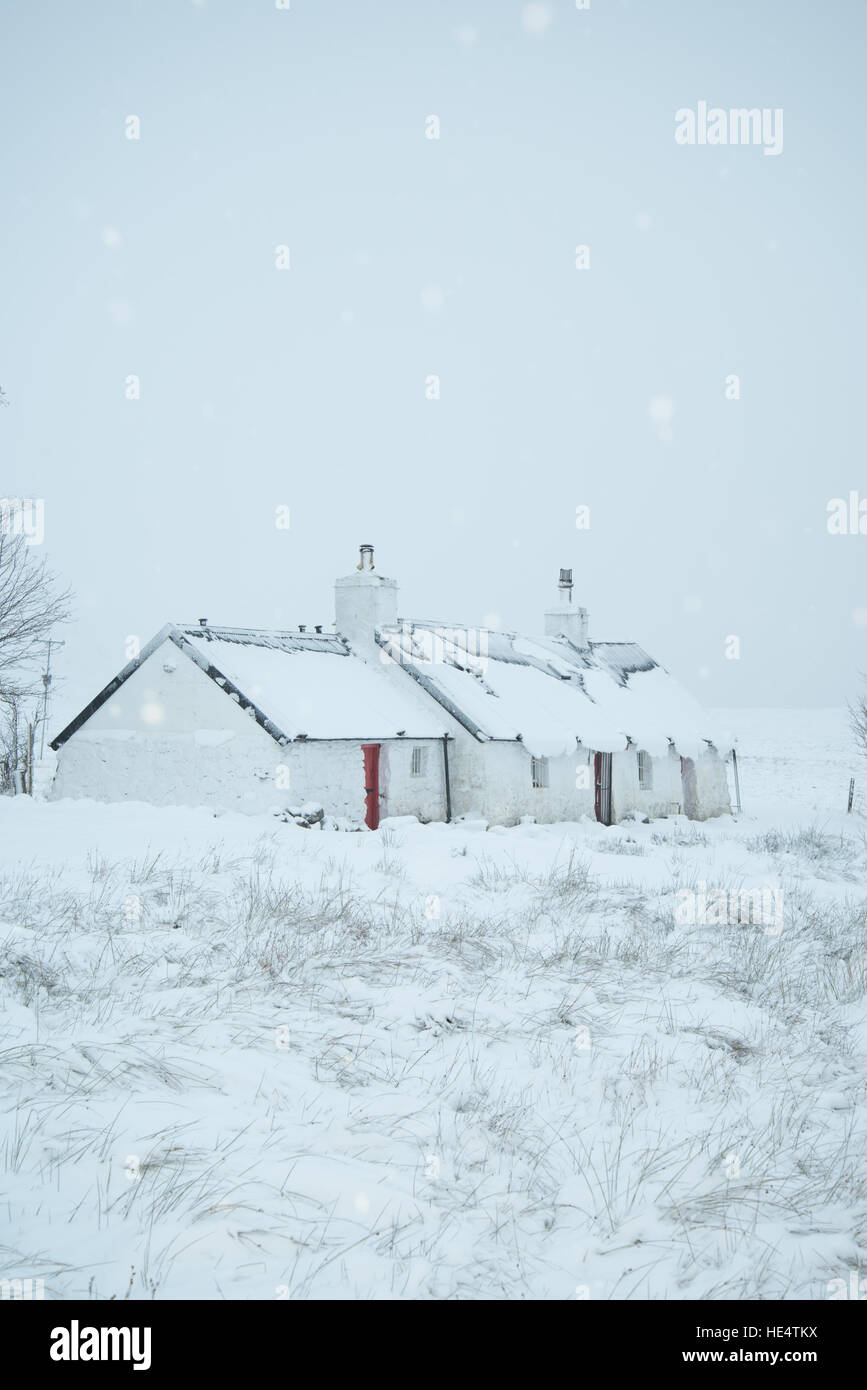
<point>46,685</point>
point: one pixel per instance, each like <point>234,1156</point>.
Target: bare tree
<point>20,719</point>
<point>858,721</point>
<point>31,604</point>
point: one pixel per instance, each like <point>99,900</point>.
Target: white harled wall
<point>495,780</point>
<point>172,737</point>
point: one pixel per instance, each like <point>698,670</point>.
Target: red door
<point>371,784</point>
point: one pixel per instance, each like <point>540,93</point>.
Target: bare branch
<point>858,722</point>
<point>31,604</point>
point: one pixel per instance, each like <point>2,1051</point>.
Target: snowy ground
<point>795,758</point>
<point>242,1059</point>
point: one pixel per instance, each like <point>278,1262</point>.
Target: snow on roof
<point>552,693</point>
<point>278,639</point>
<point>544,690</point>
<point>311,683</point>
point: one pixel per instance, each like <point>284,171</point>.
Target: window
<point>539,771</point>
<point>419,758</point>
<point>645,771</point>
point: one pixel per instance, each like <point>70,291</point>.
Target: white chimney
<point>564,619</point>
<point>364,602</point>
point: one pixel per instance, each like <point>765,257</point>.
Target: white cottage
<point>388,716</point>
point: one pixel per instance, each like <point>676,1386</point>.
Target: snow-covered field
<point>240,1059</point>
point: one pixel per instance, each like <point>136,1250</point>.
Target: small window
<point>645,771</point>
<point>419,757</point>
<point>539,771</point>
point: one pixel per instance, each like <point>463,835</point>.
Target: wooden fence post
<point>737,780</point>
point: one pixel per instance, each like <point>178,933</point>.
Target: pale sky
<point>456,257</point>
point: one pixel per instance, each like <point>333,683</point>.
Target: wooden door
<point>371,784</point>
<point>690,788</point>
<point>602,766</point>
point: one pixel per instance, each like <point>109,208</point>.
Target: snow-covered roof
<point>551,693</point>
<point>295,684</point>
<point>313,684</point>
<point>544,691</point>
